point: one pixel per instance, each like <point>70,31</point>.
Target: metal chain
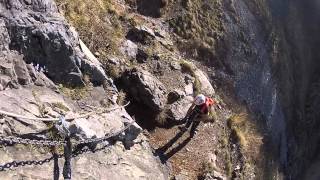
<point>108,136</point>
<point>68,154</point>
<point>18,140</point>
<point>24,163</point>
<point>52,143</point>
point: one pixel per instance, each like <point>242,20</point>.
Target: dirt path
<point>191,152</point>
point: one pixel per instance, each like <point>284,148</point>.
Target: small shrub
<point>239,134</point>
<point>187,67</point>
<point>206,168</point>
<point>190,69</point>
<point>76,93</point>
<point>196,86</point>
<point>162,118</point>
<point>121,98</point>
<point>228,165</point>
<point>213,115</point>
<point>238,123</point>
<point>238,119</point>
<point>112,71</point>
<point>60,106</point>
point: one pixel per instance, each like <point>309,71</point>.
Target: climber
<point>200,110</point>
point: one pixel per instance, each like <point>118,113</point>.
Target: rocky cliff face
<point>271,52</point>
<point>296,68</point>
<point>39,50</point>
<point>255,54</point>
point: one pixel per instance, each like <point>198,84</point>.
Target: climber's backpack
<point>204,108</point>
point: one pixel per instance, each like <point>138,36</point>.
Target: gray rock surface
<point>206,87</point>
<point>129,49</point>
<point>35,30</point>
<point>141,34</point>
<point>129,158</point>
<point>151,7</point>
<point>215,175</point>
<point>179,109</point>
<point>142,56</point>
<point>175,65</point>
<point>145,88</point>
<point>175,95</point>
<point>37,49</point>
<point>188,89</point>
<point>90,65</point>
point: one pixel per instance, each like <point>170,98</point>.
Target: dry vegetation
<point>200,27</point>
<point>60,106</point>
<point>206,168</point>
<point>190,69</point>
<point>249,137</point>
<point>76,93</point>
<point>97,21</point>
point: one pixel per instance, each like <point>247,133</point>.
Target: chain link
<point>24,163</point>
<point>18,140</point>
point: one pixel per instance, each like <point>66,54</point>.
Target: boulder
<point>110,159</point>
<point>205,85</point>
<point>129,49</point>
<point>151,7</point>
<point>23,102</point>
<point>39,78</point>
<point>22,72</point>
<point>142,57</point>
<point>100,125</point>
<point>189,79</point>
<point>195,74</point>
<point>91,65</point>
<point>175,95</point>
<point>141,34</point>
<point>114,61</point>
<point>175,65</point>
<point>145,88</point>
<point>178,110</point>
<point>212,159</point>
<point>51,46</point>
<point>215,175</point>
<point>188,89</point>
<point>37,31</point>
<point>8,77</point>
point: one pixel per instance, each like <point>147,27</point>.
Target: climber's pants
<point>194,127</point>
